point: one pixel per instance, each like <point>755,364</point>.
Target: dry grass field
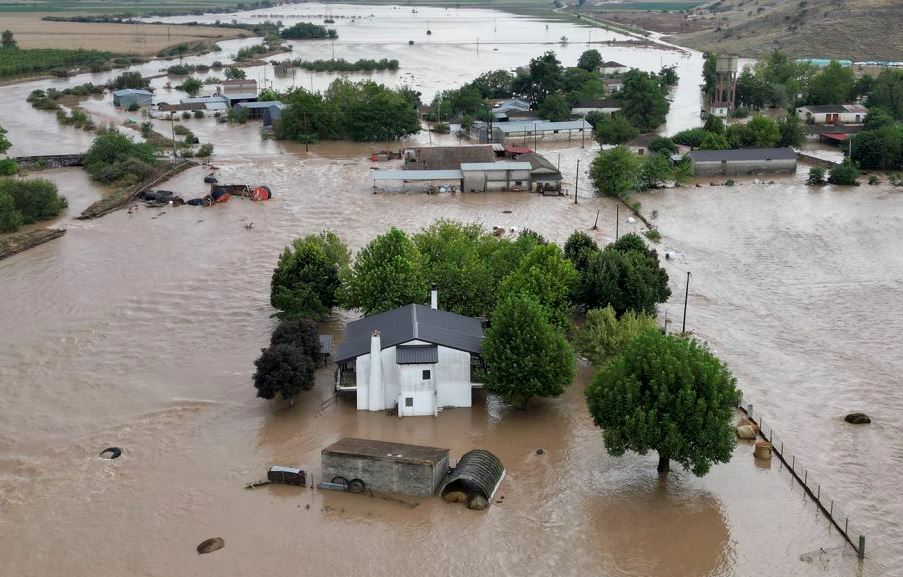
<point>145,39</point>
<point>854,29</point>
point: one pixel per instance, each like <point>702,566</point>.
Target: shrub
<point>8,167</point>
<point>873,179</point>
<point>186,115</point>
<point>10,217</point>
<point>205,151</point>
<point>816,176</point>
<point>134,107</point>
<point>605,335</point>
<point>653,234</point>
<point>844,174</point>
<point>34,199</point>
<point>198,114</point>
<point>115,157</point>
<point>283,369</point>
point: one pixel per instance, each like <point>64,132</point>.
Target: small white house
<point>833,114</point>
<point>415,357</point>
<point>612,67</point>
<point>613,85</point>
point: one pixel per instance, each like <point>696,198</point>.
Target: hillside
<point>854,29</point>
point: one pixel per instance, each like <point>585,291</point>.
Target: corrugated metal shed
<point>325,344</point>
<point>478,471</point>
<point>261,104</point>
<point>415,174</point>
<point>417,355</point>
<point>408,323</point>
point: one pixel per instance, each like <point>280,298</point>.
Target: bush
<point>662,143</point>
<point>283,369</point>
<point>186,115</point>
<point>8,167</point>
<point>614,130</point>
<point>205,151</point>
<point>129,80</point>
<point>33,200</point>
<point>692,137</point>
<point>115,157</point>
<point>817,175</point>
<point>873,179</point>
<point>844,174</point>
<point>605,335</point>
<point>134,107</point>
<point>306,30</point>
<point>198,114</point>
<point>10,217</point>
<point>653,234</point>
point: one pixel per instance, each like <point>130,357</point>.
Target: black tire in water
<point>111,453</point>
<point>356,486</point>
<point>341,481</point>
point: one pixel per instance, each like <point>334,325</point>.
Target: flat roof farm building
<point>743,161</point>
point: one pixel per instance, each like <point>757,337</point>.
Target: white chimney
<point>434,297</point>
<point>376,394</point>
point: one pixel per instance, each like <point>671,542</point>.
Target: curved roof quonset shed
<point>478,471</point>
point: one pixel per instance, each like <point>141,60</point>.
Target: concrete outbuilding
<point>496,176</point>
<point>385,467</point>
<point>743,161</point>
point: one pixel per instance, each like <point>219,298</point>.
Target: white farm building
<point>416,358</point>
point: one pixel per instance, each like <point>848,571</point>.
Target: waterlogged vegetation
<point>26,201</point>
<point>306,31</point>
<point>18,61</point>
<point>342,65</point>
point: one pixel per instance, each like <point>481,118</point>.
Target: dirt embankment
<point>16,243</point>
<point>854,29</point>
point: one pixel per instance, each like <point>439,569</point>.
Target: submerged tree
<point>526,355</point>
<point>285,370</point>
<point>669,395</point>
<point>306,279</point>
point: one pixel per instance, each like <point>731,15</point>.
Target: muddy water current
<point>139,330</point>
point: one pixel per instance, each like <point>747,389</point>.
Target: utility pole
<point>172,125</point>
<point>617,220</point>
<point>534,137</point>
<point>577,181</point>
<point>683,328</point>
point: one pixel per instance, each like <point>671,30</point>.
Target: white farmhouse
<point>415,357</point>
<point>833,114</point>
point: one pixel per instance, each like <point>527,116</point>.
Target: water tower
<point>725,86</point>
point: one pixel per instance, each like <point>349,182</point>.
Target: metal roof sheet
<point>325,344</point>
<point>740,154</point>
<point>416,354</point>
<point>127,91</point>
<point>477,470</point>
<point>475,166</point>
<point>261,104</point>
<point>542,125</point>
<point>377,174</point>
<point>408,323</point>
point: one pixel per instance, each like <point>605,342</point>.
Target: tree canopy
<point>548,277</point>
<point>615,172</point>
<point>590,60</point>
<point>386,274</point>
<point>306,278</point>
<point>605,335</point>
<point>669,395</point>
<point>115,157</point>
<point>526,355</point>
<point>644,101</point>
<point>283,369</point>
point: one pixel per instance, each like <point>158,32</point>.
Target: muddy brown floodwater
<point>140,331</point>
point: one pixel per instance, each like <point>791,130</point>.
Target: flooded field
<point>140,330</point>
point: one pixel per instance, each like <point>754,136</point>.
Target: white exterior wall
<point>449,384</point>
<point>843,117</point>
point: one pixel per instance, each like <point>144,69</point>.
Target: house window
<point>426,374</point>
<point>409,401</point>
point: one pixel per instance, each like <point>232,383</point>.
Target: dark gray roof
<point>408,323</point>
<point>741,154</point>
<point>417,355</point>
<point>611,64</point>
<point>385,451</point>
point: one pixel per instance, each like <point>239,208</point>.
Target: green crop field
<point>115,6</point>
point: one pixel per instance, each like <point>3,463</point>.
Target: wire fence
<point>800,471</point>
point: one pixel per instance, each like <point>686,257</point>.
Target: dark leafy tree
<point>876,119</point>
<point>663,144</point>
<point>790,130</point>
<point>644,100</point>
<point>8,41</point>
<point>845,173</point>
<point>590,60</point>
<point>283,370</point>
<point>616,172</point>
<point>669,395</point>
<point>302,334</point>
<point>579,249</point>
<point>880,149</point>
<point>554,108</point>
<point>10,217</point>
<point>526,355</point>
<point>129,80</point>
<point>692,137</point>
<point>833,85</point>
<point>614,129</point>
<point>887,92</point>
<point>192,86</point>
<point>306,278</point>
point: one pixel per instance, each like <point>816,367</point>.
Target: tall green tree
<point>833,85</point>
<point>547,276</point>
<point>387,273</point>
<point>5,144</point>
<point>880,149</point>
<point>656,171</point>
<point>306,278</point>
<point>579,248</point>
<point>616,172</point>
<point>495,84</point>
<point>554,108</point>
<point>669,395</point>
<point>590,60</point>
<point>625,275</point>
<point>192,86</point>
<point>613,129</point>
<point>790,130</point>
<point>887,92</point>
<point>456,257</point>
<point>526,355</point>
<point>644,100</point>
